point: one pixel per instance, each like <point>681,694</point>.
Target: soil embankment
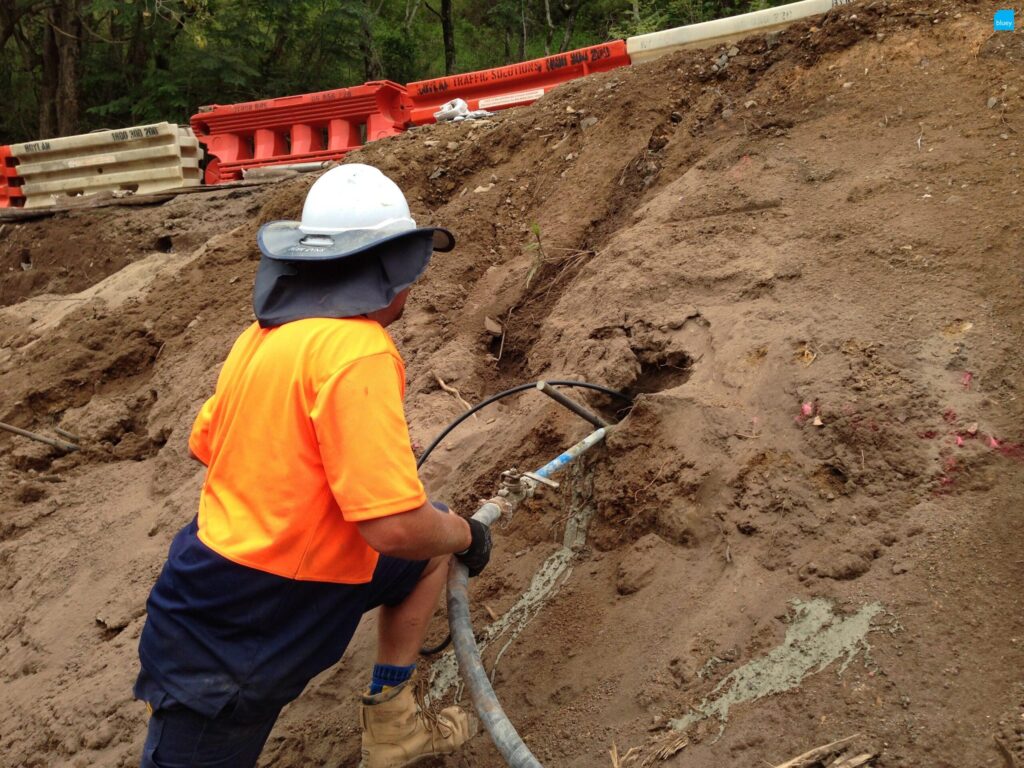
<point>806,267</point>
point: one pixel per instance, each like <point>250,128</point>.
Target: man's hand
<point>476,557</point>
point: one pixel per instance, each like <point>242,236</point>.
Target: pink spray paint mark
<point>1012,450</point>
<point>959,441</point>
<point>965,382</point>
<point>807,409</point>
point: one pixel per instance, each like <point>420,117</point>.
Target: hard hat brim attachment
<point>285,241</point>
<point>339,287</point>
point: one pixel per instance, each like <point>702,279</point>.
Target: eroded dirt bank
<point>808,270</point>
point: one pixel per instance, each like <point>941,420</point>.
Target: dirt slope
<point>806,267</point>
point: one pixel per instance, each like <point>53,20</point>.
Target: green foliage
<point>140,61</point>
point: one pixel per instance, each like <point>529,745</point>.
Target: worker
<point>311,512</point>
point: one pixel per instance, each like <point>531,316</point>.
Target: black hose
<point>432,651</point>
<point>427,651</point>
<point>513,391</point>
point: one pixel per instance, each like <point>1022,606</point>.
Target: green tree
<point>70,66</point>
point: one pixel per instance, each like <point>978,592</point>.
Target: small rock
<point>570,110</point>
<point>453,145</point>
<point>714,67</point>
<point>880,36</point>
<point>727,113</point>
<point>818,422</point>
<point>772,39</point>
<point>847,85</point>
<point>588,122</point>
<point>992,101</point>
<point>972,428</point>
<point>483,188</point>
<point>723,61</point>
<point>734,51</point>
<point>749,104</point>
<point>438,173</point>
<point>493,327</point>
<point>899,568</point>
<point>675,117</point>
<point>430,143</point>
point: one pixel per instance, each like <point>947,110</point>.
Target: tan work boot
<point>398,730</point>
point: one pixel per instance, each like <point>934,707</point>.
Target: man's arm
<point>367,456</point>
<point>419,534</point>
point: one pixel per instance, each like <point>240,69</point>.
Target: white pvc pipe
<point>708,33</point>
<point>271,170</point>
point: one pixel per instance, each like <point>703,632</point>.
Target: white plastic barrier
<point>708,33</point>
<point>145,158</point>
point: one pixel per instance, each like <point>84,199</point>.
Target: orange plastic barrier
<point>11,195</point>
<point>296,129</point>
<point>513,85</point>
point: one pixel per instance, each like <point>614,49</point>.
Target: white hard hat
<point>348,210</point>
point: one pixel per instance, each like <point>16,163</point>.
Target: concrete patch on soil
<point>815,638</point>
<point>552,574</point>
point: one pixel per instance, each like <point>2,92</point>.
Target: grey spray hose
<point>503,733</point>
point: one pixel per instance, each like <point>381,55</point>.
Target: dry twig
<point>667,750</point>
<point>504,333</point>
<point>619,762</point>
<point>454,393</point>
<point>638,491</point>
<point>852,762</point>
<point>809,758</point>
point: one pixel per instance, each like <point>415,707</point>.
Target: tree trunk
<point>522,40</point>
<point>62,49</point>
<point>549,32</point>
<point>448,33</point>
<point>372,67</point>
<point>138,49</point>
<point>48,84</point>
<point>411,9</point>
<point>570,24</point>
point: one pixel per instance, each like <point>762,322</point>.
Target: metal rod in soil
<point>566,401</point>
<point>51,441</point>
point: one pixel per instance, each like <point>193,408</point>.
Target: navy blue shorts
<point>225,647</point>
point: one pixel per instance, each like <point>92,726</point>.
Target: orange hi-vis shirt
<point>304,437</point>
